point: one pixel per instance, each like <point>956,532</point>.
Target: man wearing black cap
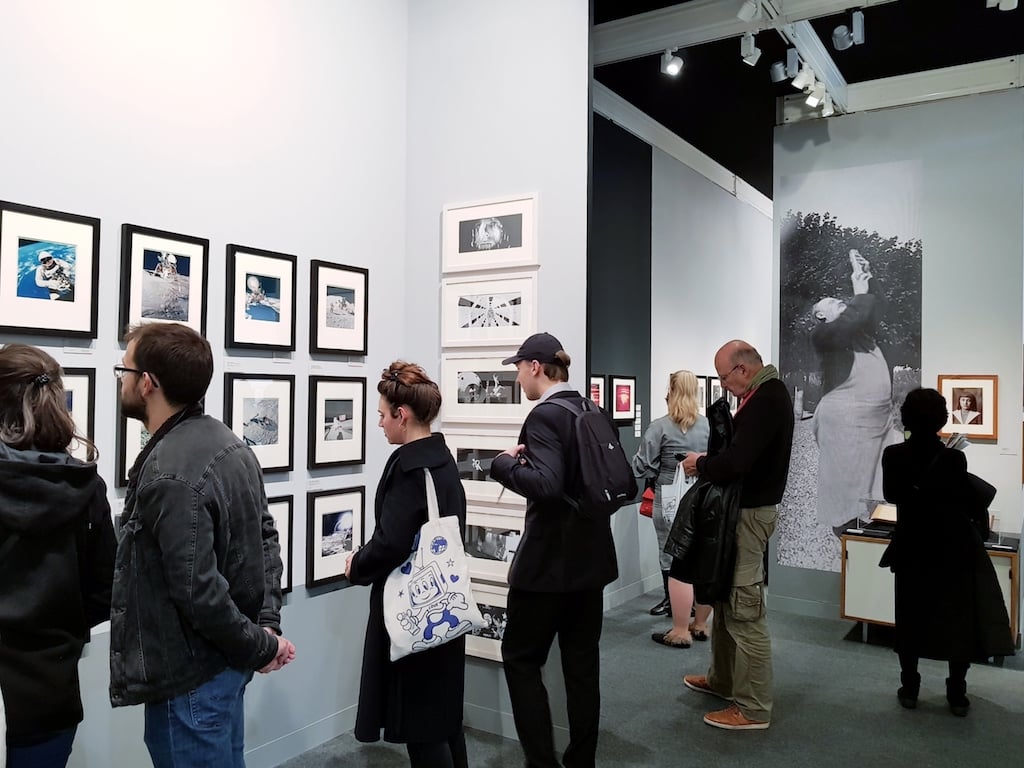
<point>557,578</point>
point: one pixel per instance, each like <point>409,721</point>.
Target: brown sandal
<point>664,638</point>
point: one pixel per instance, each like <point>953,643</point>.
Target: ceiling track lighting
<point>804,78</point>
<point>844,37</point>
<point>750,10</point>
<point>827,107</point>
<point>1002,5</point>
<point>749,50</point>
<point>816,95</point>
<point>670,63</point>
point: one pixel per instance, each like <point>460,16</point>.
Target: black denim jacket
<point>198,569</point>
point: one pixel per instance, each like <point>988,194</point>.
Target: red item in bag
<point>647,503</point>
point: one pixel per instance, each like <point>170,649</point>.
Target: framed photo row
<point>489,235</point>
<point>481,390</point>
<point>260,310</point>
<point>164,278</point>
<point>260,409</point>
<point>492,538</point>
<point>473,455</point>
<point>334,528</point>
<point>623,398</point>
<point>973,403</point>
<point>337,421</point>
<point>80,394</point>
<point>483,312</point>
<point>492,599</point>
<point>280,508</point>
<point>49,272</point>
<point>338,309</point>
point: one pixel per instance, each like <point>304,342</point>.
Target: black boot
<point>956,691</point>
<point>910,686</point>
<point>664,608</point>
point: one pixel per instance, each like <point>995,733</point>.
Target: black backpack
<point>605,474</point>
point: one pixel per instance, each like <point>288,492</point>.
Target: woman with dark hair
<point>948,602</point>
<point>56,558</point>
<point>416,700</point>
<point>967,412</point>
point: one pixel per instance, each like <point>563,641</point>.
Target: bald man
<point>758,457</point>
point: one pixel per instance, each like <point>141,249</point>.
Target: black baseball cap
<point>542,347</point>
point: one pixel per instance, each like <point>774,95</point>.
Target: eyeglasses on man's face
<point>725,376</point>
<point>120,371</point>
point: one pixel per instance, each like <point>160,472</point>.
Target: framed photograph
<point>492,600</point>
<point>477,312</point>
<point>280,508</point>
<point>337,309</point>
<point>597,391</point>
<point>334,528</point>
<point>973,403</point>
<point>481,390</point>
<point>492,538</point>
<point>132,437</point>
<point>623,398</point>
<point>490,235</point>
<point>260,409</point>
<point>260,308</point>
<point>473,455</point>
<point>337,421</point>
<point>49,272</point>
<point>702,395</point>
<point>163,278</point>
<point>80,392</point>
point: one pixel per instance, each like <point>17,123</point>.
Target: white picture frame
<point>481,390</point>
<point>492,538</point>
<point>492,599</point>
<point>489,235</point>
<point>488,311</point>
<point>472,454</point>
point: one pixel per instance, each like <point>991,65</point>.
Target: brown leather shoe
<point>699,683</point>
<point>731,719</point>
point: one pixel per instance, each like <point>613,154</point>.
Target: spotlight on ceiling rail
<point>749,50</point>
<point>670,63</point>
<point>751,9</point>
<point>844,37</point>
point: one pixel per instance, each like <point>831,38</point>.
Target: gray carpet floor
<point>835,705</point>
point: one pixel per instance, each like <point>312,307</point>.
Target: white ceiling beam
<point>701,21</point>
<point>812,50</point>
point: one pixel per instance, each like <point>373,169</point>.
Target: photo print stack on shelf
<point>488,306</point>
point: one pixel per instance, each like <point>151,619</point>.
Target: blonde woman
<point>665,443</point>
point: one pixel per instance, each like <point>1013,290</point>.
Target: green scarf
<point>766,373</point>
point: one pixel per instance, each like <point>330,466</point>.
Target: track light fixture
<point>1002,5</point>
<point>777,72</point>
<point>844,37</point>
<point>804,78</point>
<point>751,9</point>
<point>816,96</point>
<point>827,107</point>
<point>749,50</point>
<point>670,63</point>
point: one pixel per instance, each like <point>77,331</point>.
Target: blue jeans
<point>51,753</point>
<point>204,728</point>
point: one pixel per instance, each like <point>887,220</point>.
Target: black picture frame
<point>57,306</point>
<point>325,560</point>
<point>260,305</point>
<point>265,426</point>
<point>173,259</point>
<point>282,509</point>
<point>334,443</point>
<point>80,385</point>
<point>131,439</point>
<point>338,308</point>
<point>622,412</point>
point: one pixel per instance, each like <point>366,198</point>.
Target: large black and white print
<point>489,386</point>
<point>850,343</point>
<point>491,232</point>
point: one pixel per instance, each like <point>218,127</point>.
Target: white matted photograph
<point>973,403</point>
<point>338,308</point>
<point>132,437</point>
<point>492,538</point>
<point>280,508</point>
<point>80,395</point>
<point>623,398</point>
<point>481,390</point>
<point>485,643</point>
<point>478,312</point>
<point>337,421</point>
<point>49,271</point>
<point>260,311</point>
<point>702,394</point>
<point>489,235</point>
<point>473,455</point>
<point>334,528</point>
<point>260,409</point>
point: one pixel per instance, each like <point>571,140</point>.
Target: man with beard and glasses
<point>197,582</point>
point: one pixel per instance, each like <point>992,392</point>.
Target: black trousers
<point>439,754</point>
<point>534,620</point>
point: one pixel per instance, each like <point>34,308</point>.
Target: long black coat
<point>948,602</point>
<point>417,698</point>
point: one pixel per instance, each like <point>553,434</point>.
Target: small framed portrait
<point>334,528</point>
<point>260,311</point>
<point>702,394</point>
<point>492,538</point>
<point>477,312</point>
<point>473,455</point>
<point>49,272</point>
<point>337,309</point>
<point>597,391</point>
<point>280,508</point>
<point>260,409</point>
<point>973,403</point>
<point>481,390</point>
<point>337,421</point>
<point>622,390</point>
<point>485,643</point>
<point>80,393</point>
<point>164,278</point>
<point>489,235</point>
<point>132,437</point>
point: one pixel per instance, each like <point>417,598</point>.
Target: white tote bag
<point>427,599</point>
<point>672,494</point>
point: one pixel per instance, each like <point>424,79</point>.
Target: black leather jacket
<point>198,569</point>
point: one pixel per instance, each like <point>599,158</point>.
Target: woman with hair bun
<point>416,700</point>
<point>56,558</point>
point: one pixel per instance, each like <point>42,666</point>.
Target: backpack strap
<point>562,402</point>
